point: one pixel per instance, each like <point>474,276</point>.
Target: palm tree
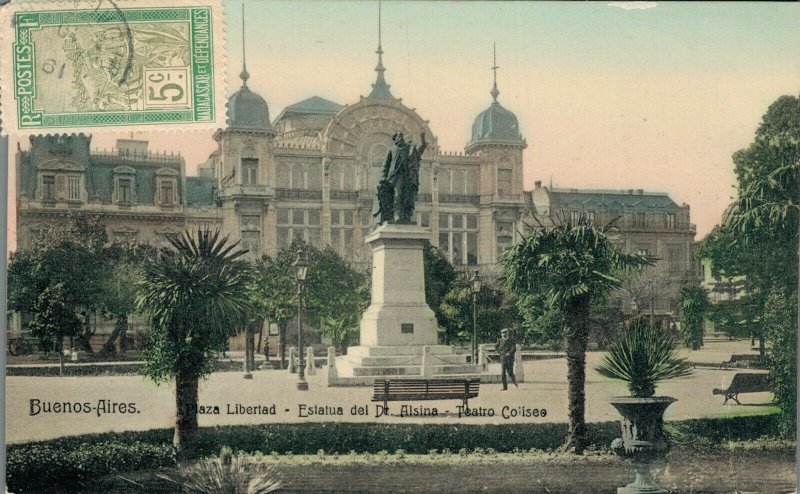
<point>569,264</point>
<point>196,296</point>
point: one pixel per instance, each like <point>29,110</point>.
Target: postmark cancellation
<point>109,64</point>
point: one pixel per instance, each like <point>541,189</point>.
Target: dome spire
<point>380,89</point>
<point>244,75</point>
<point>495,92</point>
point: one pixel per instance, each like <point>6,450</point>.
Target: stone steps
<point>405,360</point>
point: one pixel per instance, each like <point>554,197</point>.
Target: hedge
<point>68,461</point>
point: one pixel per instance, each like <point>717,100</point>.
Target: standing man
<point>507,348</point>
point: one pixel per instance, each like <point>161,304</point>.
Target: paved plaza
<point>272,398</point>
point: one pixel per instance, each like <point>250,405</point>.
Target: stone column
<point>427,362</point>
<point>311,369</point>
<point>332,373</point>
<point>519,371</point>
<point>292,360</point>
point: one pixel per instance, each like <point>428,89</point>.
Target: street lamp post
<point>300,266</point>
<point>475,287</point>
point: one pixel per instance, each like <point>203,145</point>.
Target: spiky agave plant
<point>643,356</point>
<point>229,474</point>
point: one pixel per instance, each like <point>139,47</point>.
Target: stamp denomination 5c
<point>112,63</point>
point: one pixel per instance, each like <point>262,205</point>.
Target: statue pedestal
<point>398,314</point>
<point>398,330</point>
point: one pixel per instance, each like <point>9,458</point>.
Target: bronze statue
<point>397,191</point>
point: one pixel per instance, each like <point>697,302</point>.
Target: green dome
<point>247,110</point>
<point>496,123</point>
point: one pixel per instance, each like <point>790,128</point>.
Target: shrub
<point>643,356</point>
<point>228,473</point>
<point>39,466</point>
<point>69,461</point>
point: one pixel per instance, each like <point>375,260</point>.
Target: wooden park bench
<point>387,390</point>
<point>744,383</point>
<point>746,360</point>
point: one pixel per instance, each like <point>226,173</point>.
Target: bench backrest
<point>743,383</point>
<point>426,387</point>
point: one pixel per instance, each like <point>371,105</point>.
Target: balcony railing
<point>308,195</point>
<point>344,195</point>
<point>460,198</point>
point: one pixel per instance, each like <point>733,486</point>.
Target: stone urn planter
<point>643,438</point>
<point>642,357</point>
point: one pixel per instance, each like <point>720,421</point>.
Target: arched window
<point>335,176</point>
<point>314,177</point>
<point>458,182</point>
<point>444,181</point>
<point>282,176</point>
<point>297,177</point>
<point>349,177</point>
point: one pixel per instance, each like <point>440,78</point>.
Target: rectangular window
<point>283,238</point>
<point>74,187</point>
<point>444,222</point>
<point>48,187</point>
<point>298,234</point>
<point>336,239</point>
<point>457,222</point>
<point>424,219</point>
<point>472,248</point>
<point>674,259</point>
<point>504,181</point>
<point>670,221</point>
<point>297,217</point>
<point>124,191</point>
<point>641,220</point>
<point>249,171</point>
<point>167,194</point>
<point>313,217</point>
<point>348,217</point>
<point>348,240</point>
<point>458,248</point>
<point>314,236</point>
<point>283,216</point>
<point>366,216</point>
<point>251,222</point>
<point>444,243</point>
<point>472,221</point>
<point>335,217</point>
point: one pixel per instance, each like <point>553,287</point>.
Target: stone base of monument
<point>398,329</point>
<point>363,364</point>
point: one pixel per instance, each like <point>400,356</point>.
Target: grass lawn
<point>754,466</point>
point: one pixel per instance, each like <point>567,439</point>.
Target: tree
<point>759,240</point>
<point>569,265</point>
<point>495,311</point>
<point>54,318</point>
<point>119,288</point>
<point>197,298</point>
<point>645,287</point>
<point>693,307</point>
<point>336,295</point>
<point>72,254</point>
<point>439,278</point>
<point>273,292</point>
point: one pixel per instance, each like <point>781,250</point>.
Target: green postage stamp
<point>112,64</point>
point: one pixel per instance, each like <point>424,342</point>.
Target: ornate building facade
<point>312,172</point>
